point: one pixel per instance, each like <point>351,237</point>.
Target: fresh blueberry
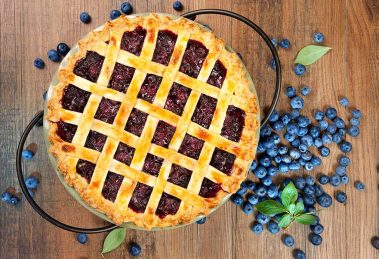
<point>315,239</point>
<point>267,181</point>
<point>287,181</point>
<point>308,166</point>
<point>342,132</point>
<point>299,69</point>
<point>359,185</point>
<point>273,227</point>
<point>178,6</point>
<point>305,91</point>
<point>82,238</point>
<point>285,118</point>
<point>262,218</point>
<point>314,131</point>
<point>289,137</point>
<point>295,113</point>
<point>345,179</point>
<point>323,179</point>
<point>114,14</point>
<point>318,190</point>
<point>27,154</point>
<point>53,55</point>
<point>318,115</point>
<point>134,249</point>
<point>252,199</point>
<point>283,150</point>
<point>353,131</point>
<point>344,102</point>
<point>345,146</point>
<point>300,183</point>
<point>326,138</point>
<point>330,113</point>
<point>309,200</point>
<point>272,64</point>
<point>265,160</point>
<point>260,191</point>
<point>324,151</point>
<point>309,190</point>
<point>294,153</point>
<point>272,152</point>
<point>31,182</point>
<point>325,200</point>
<point>306,156</point>
<point>292,128</point>
<point>278,159</point>
<point>260,172</point>
<point>14,200</point>
<point>307,140</point>
<point>278,125</point>
<point>284,44</point>
<point>126,8</point>
<point>290,91</point>
<point>336,138</point>
<point>355,122</point>
<point>253,165</point>
<point>340,123</point>
<point>272,170</point>
<point>375,242</point>
<point>6,197</point>
<point>295,143</point>
<point>356,114</point>
<point>286,158</point>
<point>317,142</point>
<point>302,131</point>
<point>335,180</point>
<point>298,254</point>
<point>274,42</point>
<point>294,166</point>
<point>323,124</point>
<point>318,37</point>
<point>39,63</point>
<point>341,170</point>
<point>316,161</point>
<point>297,103</point>
<point>283,167</point>
<point>261,148</point>
<point>309,180</point>
<point>63,48</point>
<point>317,229</point>
<point>332,128</point>
<point>201,221</point>
<point>303,121</point>
<point>85,18</point>
<point>250,185</point>
<point>237,199</point>
<point>288,240</point>
<point>274,116</point>
<point>247,208</point>
<point>272,191</point>
<point>242,190</point>
<point>341,197</point>
<point>257,228</point>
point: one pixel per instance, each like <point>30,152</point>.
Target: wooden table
<point>29,28</point>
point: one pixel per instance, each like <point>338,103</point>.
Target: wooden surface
<point>29,28</point>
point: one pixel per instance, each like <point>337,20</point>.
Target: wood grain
<point>29,28</point>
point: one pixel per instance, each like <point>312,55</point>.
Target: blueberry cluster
<point>10,196</point>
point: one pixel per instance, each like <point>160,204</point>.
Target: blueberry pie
<point>152,121</point>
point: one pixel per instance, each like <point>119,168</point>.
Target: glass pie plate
<point>53,161</point>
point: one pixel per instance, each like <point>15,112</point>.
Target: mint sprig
<point>290,210</point>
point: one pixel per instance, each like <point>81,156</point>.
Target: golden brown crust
<point>235,91</point>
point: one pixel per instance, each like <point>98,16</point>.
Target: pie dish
<point>153,121</point>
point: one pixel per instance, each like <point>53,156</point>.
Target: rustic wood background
<point>28,28</point>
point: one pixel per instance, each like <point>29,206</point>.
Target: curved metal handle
<point>29,198</point>
<point>192,16</point>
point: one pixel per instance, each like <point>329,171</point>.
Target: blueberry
<point>335,180</point>
<point>317,229</point>
<point>323,179</point>
<point>318,190</point>
<point>272,64</point>
<point>355,122</point>
<point>298,254</point>
<point>332,128</point>
<point>6,197</point>
<point>341,170</point>
<point>260,172</point>
<point>345,146</point>
<point>318,37</point>
<point>250,185</point>
<point>285,118</point>
<point>295,113</point>
<point>305,91</point>
<point>63,48</point>
<point>14,200</point>
<point>252,199</point>
<point>201,221</point>
<point>306,156</point>
<point>309,190</point>
<point>353,131</point>
<point>265,160</point>
<point>299,69</point>
<point>295,143</point>
<point>330,113</point>
<point>375,242</point>
<point>308,166</point>
<point>272,152</point>
<point>39,63</point>
<point>356,114</point>
<point>31,182</point>
<point>344,102</point>
<point>272,170</point>
<point>315,239</point>
<point>337,138</point>
<point>273,227</point>
<point>290,91</point>
<point>294,166</point>
<point>340,123</point>
<point>300,183</point>
<point>44,95</point>
<point>310,180</point>
<point>237,199</point>
<point>274,42</point>
<point>342,132</point>
<point>272,191</point>
<point>359,185</point>
<point>53,55</point>
<point>85,18</point>
<point>126,8</point>
<point>307,140</point>
<point>292,128</point>
<point>288,240</point>
<point>283,150</point>
<point>114,14</point>
<point>303,121</point>
<point>82,238</point>
<point>247,208</point>
<point>323,124</point>
<point>274,116</point>
<point>345,179</point>
<point>302,131</point>
<point>267,181</point>
<point>286,159</point>
<point>284,44</point>
<point>314,131</point>
<point>260,191</point>
<point>134,249</point>
<point>287,181</point>
<point>289,137</point>
<point>318,115</point>
<point>178,6</point>
<point>27,154</point>
<point>326,138</point>
<point>262,218</point>
<point>278,125</point>
<point>253,165</point>
<point>242,190</point>
<point>257,228</point>
<point>316,161</point>
<point>317,142</point>
<point>341,197</point>
<point>294,153</point>
<point>324,151</point>
<point>283,167</point>
<point>278,159</point>
<point>297,103</point>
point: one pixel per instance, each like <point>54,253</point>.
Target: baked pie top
<point>152,121</point>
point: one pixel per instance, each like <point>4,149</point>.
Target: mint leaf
<point>299,207</point>
<point>310,54</point>
<point>305,219</point>
<point>114,239</point>
<point>289,195</point>
<point>270,207</point>
<point>285,221</point>
<point>292,209</point>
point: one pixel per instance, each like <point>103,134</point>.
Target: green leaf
<point>270,207</point>
<point>299,207</point>
<point>310,54</point>
<point>289,195</point>
<point>114,239</point>
<point>285,221</point>
<point>292,209</point>
<point>305,219</point>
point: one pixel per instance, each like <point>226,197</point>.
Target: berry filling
<point>66,131</point>
<point>89,67</point>
<point>233,124</point>
<point>111,186</point>
<point>149,87</point>
<point>222,160</point>
<point>85,169</point>
<point>179,175</point>
<point>163,134</point>
<point>74,98</point>
<point>136,122</point>
<point>95,140</point>
<point>191,146</point>
<point>168,204</point>
<point>209,189</point>
<point>218,74</point>
<point>164,47</point>
<point>152,165</point>
<point>121,77</point>
<point>204,110</point>
<point>107,110</point>
<point>132,41</point>
<point>193,58</point>
<point>177,98</point>
<point>124,153</point>
<point>140,197</point>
